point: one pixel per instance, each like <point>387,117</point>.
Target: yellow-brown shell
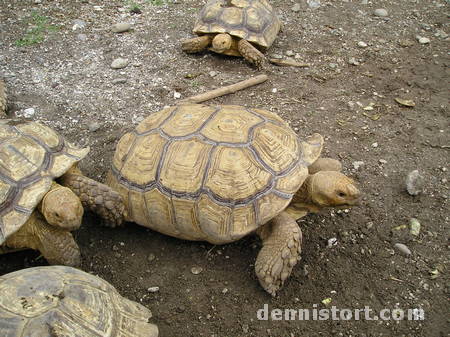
<point>209,173</point>
<point>252,20</point>
<point>65,301</point>
<point>31,156</point>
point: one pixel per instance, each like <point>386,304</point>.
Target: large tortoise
<point>219,173</point>
<point>235,27</point>
<point>35,211</point>
<point>63,301</point>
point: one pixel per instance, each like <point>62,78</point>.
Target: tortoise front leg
<point>251,54</point>
<point>282,239</point>
<point>196,44</point>
<point>95,196</point>
<point>56,245</point>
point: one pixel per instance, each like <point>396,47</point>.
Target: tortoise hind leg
<point>251,54</point>
<point>281,249</point>
<point>57,246</point>
<point>196,44</point>
<point>95,196</point>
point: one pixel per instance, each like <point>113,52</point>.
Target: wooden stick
<point>229,89</point>
<point>288,63</point>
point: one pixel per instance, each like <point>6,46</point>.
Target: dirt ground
<point>55,57</point>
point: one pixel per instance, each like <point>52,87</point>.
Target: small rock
<point>196,270</point>
<point>353,61</point>
<point>362,44</point>
<point>423,40</point>
<point>151,257</point>
<point>414,226</point>
<point>406,43</point>
<point>357,164</point>
<point>28,113</point>
<point>94,126</point>
<point>213,73</point>
<point>382,161</point>
<point>313,3</point>
<point>119,81</point>
<point>402,249</point>
<point>290,53</point>
<point>181,308</point>
<point>120,27</point>
<point>224,290</point>
<point>332,242</point>
<point>274,90</point>
<point>414,182</point>
<point>82,37</point>
<point>78,24</point>
<point>176,95</point>
<point>119,63</point>
<point>381,12</point>
<point>296,8</point>
<point>375,145</point>
<point>277,56</point>
<point>441,34</point>
<point>153,289</point>
<point>245,328</point>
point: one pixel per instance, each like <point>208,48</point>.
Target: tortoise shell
<point>64,301</point>
<point>31,156</point>
<point>252,20</point>
<point>200,172</point>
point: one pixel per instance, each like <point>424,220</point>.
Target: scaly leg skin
<point>325,164</point>
<point>56,245</point>
<point>251,54</point>
<point>196,44</point>
<point>95,196</point>
<point>282,239</point>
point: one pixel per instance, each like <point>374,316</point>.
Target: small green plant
<point>36,32</point>
<point>158,2</point>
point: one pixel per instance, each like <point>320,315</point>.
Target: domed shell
<point>64,301</point>
<point>32,155</point>
<point>252,20</point>
<point>201,172</point>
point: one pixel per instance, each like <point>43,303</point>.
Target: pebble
<point>196,270</point>
<point>224,290</point>
<point>441,34</point>
<point>213,73</point>
<point>119,81</point>
<point>176,95</point>
<point>78,24</point>
<point>402,249</point>
<point>381,12</point>
<point>120,27</point>
<point>357,164</point>
<point>119,63</point>
<point>151,257</point>
<point>362,44</point>
<point>353,61</point>
<point>414,226</point>
<point>313,3</point>
<point>414,182</point>
<point>296,8</point>
<point>153,289</point>
<point>423,40</point>
<point>28,113</point>
<point>382,161</point>
<point>332,242</point>
<point>375,145</point>
<point>277,56</point>
<point>290,53</point>
<point>94,126</point>
<point>274,90</point>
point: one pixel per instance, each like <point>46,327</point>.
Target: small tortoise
<point>64,301</point>
<point>217,174</point>
<point>235,27</point>
<point>35,211</point>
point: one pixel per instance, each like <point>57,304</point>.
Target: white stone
<point>381,12</point>
<point>176,95</point>
<point>362,44</point>
<point>357,164</point>
<point>28,113</point>
<point>119,63</point>
<point>402,249</point>
<point>120,27</point>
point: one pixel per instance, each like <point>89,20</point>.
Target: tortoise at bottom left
<point>64,301</point>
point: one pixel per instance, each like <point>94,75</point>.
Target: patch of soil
<point>347,94</point>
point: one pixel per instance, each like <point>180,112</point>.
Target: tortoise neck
<point>304,196</point>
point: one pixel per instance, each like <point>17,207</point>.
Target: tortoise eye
<point>342,194</point>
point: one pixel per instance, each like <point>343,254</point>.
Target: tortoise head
<point>62,208</point>
<point>221,42</point>
<point>332,189</point>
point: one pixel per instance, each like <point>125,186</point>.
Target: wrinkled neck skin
<point>303,197</point>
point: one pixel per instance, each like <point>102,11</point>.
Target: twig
<point>229,89</point>
<point>288,63</point>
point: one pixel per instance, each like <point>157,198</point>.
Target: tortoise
<point>219,173</point>
<point>35,211</point>
<point>64,301</point>
<point>235,27</point>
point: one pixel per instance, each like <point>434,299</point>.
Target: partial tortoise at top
<point>219,173</point>
<point>35,211</point>
<point>235,27</point>
<point>63,301</point>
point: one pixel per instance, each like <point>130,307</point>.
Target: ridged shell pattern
<point>209,173</point>
<point>252,20</point>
